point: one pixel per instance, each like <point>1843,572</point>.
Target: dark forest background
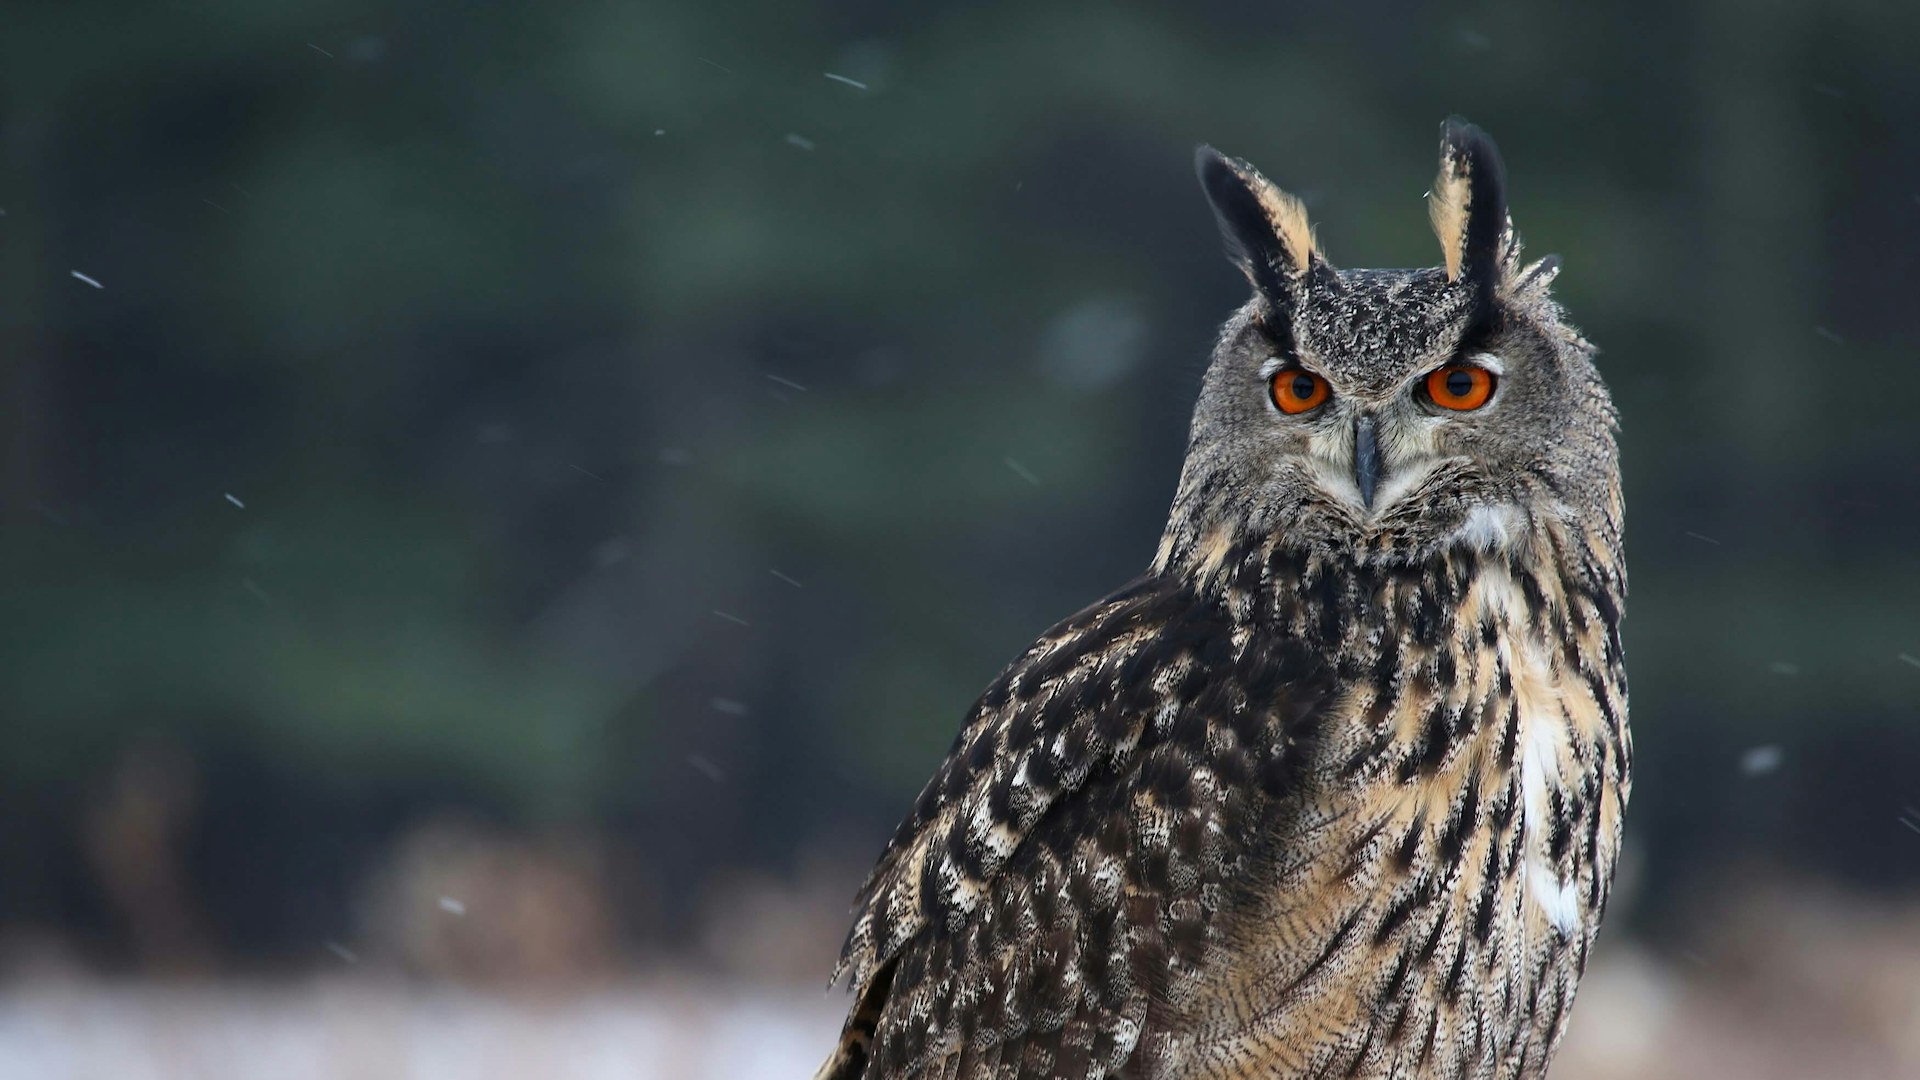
<point>595,451</point>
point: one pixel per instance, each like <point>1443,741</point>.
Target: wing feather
<point>1060,870</point>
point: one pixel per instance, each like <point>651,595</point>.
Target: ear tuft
<point>1468,205</point>
<point>1537,277</point>
<point>1266,229</point>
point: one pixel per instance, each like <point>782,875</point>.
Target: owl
<point>1335,788</point>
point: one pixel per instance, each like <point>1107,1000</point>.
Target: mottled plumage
<point>1336,787</point>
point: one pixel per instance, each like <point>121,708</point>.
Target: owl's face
<point>1391,413</point>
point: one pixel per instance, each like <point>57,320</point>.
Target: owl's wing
<point>1062,867</point>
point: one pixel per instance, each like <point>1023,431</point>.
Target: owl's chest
<point>1434,900</point>
<point>1472,814</point>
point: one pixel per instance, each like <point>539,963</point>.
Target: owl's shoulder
<point>1099,794</point>
<point>1069,695</point>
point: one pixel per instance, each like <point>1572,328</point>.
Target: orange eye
<point>1295,391</point>
<point>1460,387</point>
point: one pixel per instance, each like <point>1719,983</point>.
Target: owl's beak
<point>1366,458</point>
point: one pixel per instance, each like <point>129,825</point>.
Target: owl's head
<point>1392,414</point>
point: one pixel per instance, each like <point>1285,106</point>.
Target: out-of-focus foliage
<point>657,421</point>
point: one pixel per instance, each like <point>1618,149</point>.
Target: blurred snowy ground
<point>1784,982</point>
<point>1787,983</point>
<point>379,1031</point>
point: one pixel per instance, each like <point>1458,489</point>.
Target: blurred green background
<point>625,436</point>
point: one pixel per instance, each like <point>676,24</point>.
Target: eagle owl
<point>1335,788</point>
